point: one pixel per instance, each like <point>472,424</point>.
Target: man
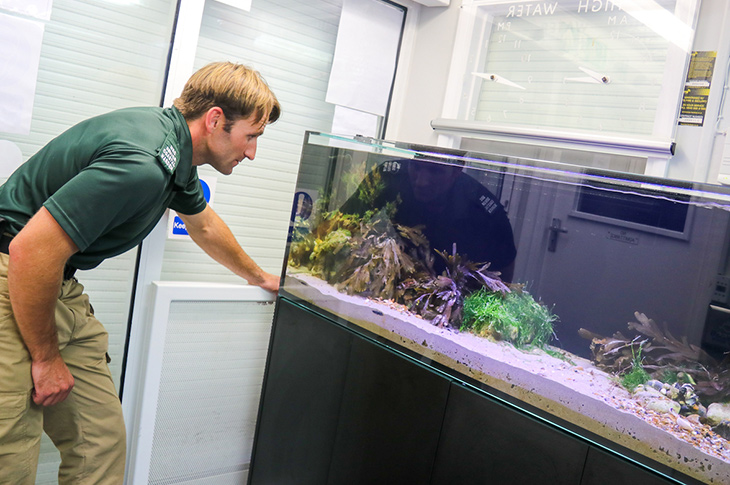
<point>450,206</point>
<point>94,192</point>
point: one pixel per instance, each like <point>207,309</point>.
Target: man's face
<point>431,180</point>
<point>229,149</point>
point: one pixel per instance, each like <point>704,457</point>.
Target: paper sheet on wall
<point>40,9</point>
<point>351,122</point>
<point>10,158</point>
<point>244,5</point>
<point>697,88</point>
<point>20,52</point>
<point>365,56</point>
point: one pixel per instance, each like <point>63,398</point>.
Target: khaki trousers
<point>87,428</point>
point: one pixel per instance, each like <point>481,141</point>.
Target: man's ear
<point>214,118</point>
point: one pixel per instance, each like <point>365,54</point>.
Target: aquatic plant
<point>381,255</point>
<point>613,354</point>
<point>324,246</point>
<point>634,378</point>
<point>370,256</point>
<point>664,347</point>
<point>441,298</point>
<point>637,375</point>
<point>663,355</point>
<point>515,317</point>
<point>365,253</point>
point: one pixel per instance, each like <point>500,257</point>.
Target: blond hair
<point>237,89</point>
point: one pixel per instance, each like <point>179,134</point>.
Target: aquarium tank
<point>600,299</point>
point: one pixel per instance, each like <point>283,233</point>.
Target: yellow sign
<point>697,88</point>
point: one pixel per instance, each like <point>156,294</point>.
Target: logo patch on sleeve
<point>168,154</point>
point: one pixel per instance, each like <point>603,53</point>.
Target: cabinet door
<point>390,420</point>
<point>301,399</point>
<point>484,442</point>
<point>602,468</point>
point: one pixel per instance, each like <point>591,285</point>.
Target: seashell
<point>686,390</point>
<point>694,419</point>
<point>684,424</point>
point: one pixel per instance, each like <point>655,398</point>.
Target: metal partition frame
<point>144,407</point>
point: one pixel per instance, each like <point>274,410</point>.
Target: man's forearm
<point>33,302</point>
<point>35,268</point>
<point>33,292</point>
<point>219,243</point>
<point>33,283</point>
<point>215,238</point>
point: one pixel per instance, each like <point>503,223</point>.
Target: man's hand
<point>271,283</point>
<point>52,381</point>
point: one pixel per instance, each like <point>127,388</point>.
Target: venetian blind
<point>97,56</point>
<point>292,44</point>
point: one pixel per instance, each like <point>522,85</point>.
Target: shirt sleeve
<point>105,194</point>
<point>190,200</point>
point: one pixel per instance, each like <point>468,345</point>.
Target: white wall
<point>699,150</point>
<point>427,52</point>
<point>423,70</point>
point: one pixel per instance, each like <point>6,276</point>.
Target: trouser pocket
<point>12,404</point>
<point>20,438</point>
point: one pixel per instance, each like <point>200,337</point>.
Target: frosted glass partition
<point>96,56</point>
<point>89,68</point>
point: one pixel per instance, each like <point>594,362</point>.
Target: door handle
<point>556,227</point>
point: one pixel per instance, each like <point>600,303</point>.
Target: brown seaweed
<point>368,256</point>
<point>661,353</point>
<point>442,298</point>
<point>664,345</point>
<point>378,260</point>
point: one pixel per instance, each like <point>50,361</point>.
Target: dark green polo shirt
<point>107,181</point>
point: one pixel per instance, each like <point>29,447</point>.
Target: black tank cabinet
<point>339,408</point>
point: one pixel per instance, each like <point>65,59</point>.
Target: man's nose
<point>250,151</point>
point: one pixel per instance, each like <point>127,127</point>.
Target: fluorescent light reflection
<point>674,28</point>
<point>124,2</point>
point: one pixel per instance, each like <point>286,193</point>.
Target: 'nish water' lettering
<point>597,6</point>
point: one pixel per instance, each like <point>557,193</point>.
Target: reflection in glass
<point>454,211</point>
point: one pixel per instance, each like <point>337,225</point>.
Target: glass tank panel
<point>596,299</point>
